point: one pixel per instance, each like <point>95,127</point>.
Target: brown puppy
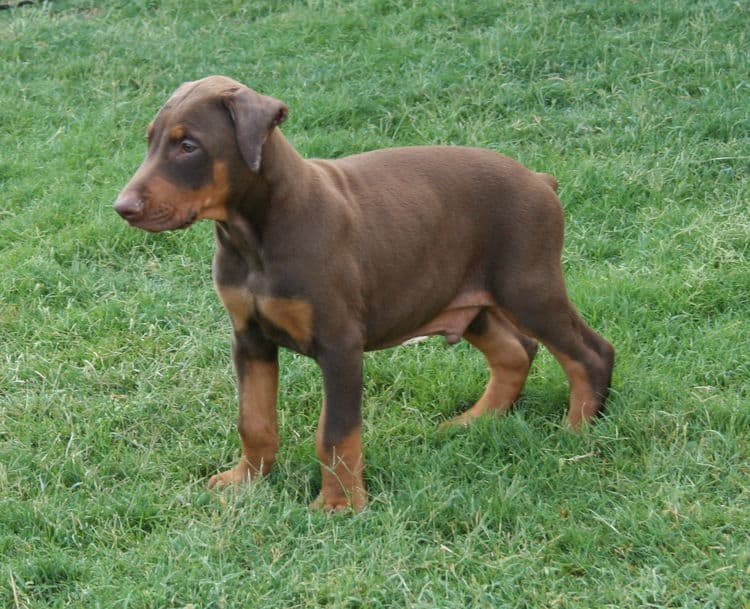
<point>333,258</point>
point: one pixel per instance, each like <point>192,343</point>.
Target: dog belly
<point>450,322</point>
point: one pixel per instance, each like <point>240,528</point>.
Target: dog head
<point>204,149</point>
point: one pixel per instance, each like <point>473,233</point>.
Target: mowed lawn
<point>117,396</point>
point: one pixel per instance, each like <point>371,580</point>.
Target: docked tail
<point>549,179</point>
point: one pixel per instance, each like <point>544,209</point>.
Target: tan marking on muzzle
<point>213,197</point>
<point>167,201</point>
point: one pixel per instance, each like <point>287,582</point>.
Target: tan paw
<point>335,502</point>
<point>232,477</point>
<point>472,414</point>
<point>462,420</point>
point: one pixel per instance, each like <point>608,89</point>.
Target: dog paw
<point>232,477</point>
<point>468,417</point>
<point>355,502</point>
<point>458,422</point>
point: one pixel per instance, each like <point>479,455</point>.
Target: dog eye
<point>186,146</point>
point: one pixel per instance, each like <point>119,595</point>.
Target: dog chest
<point>285,321</point>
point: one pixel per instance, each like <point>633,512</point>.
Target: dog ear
<point>254,115</point>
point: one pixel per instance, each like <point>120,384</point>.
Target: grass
<point>117,399</point>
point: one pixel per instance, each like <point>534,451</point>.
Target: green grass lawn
<point>117,397</point>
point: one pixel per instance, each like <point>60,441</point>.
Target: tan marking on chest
<point>292,315</point>
<point>239,303</point>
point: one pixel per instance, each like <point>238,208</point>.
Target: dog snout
<point>129,206</point>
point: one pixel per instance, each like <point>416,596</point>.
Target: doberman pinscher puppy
<point>334,258</point>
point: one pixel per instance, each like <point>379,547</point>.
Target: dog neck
<point>282,167</point>
<point>275,194</point>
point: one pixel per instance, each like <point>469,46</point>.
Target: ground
<point>117,399</point>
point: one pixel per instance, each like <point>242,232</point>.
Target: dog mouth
<point>189,222</point>
<point>159,225</point>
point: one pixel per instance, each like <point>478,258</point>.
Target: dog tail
<point>548,178</point>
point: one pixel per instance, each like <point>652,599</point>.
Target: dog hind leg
<point>545,312</point>
<point>509,355</point>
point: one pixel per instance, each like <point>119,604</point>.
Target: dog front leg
<point>256,362</point>
<point>338,441</point>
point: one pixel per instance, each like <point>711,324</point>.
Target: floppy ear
<point>254,115</point>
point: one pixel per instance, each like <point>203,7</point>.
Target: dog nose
<point>129,207</point>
